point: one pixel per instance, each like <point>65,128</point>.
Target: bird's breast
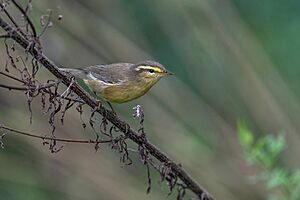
<point>119,93</point>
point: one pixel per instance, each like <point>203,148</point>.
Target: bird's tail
<point>79,73</point>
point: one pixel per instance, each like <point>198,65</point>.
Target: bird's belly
<point>116,93</point>
<point>121,94</point>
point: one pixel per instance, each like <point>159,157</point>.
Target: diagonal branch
<point>114,119</point>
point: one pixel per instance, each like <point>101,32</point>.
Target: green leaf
<point>278,177</point>
<point>295,177</point>
<point>276,145</point>
<point>294,185</point>
<point>245,135</point>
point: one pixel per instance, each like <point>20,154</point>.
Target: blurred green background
<point>233,59</point>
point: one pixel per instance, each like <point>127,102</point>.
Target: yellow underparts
<point>120,93</point>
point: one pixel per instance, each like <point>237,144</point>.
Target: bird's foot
<point>98,105</point>
<point>112,109</point>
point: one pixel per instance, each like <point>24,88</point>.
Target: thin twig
<point>65,93</point>
<point>11,19</point>
<point>12,77</point>
<point>5,36</point>
<point>28,87</point>
<point>26,17</point>
<point>46,26</point>
<point>51,138</point>
<point>9,16</point>
<point>9,87</point>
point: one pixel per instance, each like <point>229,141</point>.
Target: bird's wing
<point>110,74</point>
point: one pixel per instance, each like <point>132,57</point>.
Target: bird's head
<point>151,70</point>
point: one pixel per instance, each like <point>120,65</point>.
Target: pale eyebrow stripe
<point>149,67</point>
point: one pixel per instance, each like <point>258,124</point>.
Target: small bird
<point>120,82</point>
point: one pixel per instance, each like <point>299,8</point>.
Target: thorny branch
<point>29,39</point>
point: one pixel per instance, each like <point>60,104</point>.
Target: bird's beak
<point>167,73</point>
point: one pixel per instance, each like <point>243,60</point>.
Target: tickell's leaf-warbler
<point>120,82</point>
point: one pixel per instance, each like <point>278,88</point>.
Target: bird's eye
<point>151,71</point>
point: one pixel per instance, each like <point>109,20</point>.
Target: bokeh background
<point>233,59</point>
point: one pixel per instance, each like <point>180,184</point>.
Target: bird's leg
<point>112,109</point>
<point>98,104</point>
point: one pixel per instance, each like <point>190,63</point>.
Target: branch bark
<point>27,44</point>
